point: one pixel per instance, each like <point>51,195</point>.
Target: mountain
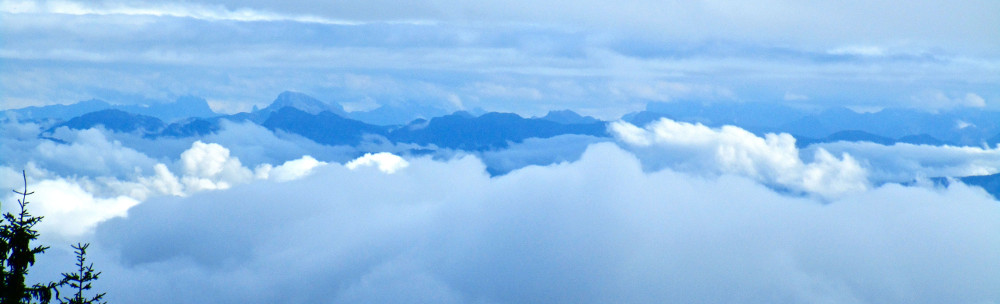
<point>324,127</point>
<point>962,126</point>
<point>387,115</point>
<point>60,112</point>
<point>567,117</point>
<point>847,135</point>
<point>114,120</point>
<point>990,183</point>
<point>183,107</point>
<point>462,130</point>
<point>922,139</point>
<point>192,127</point>
<point>302,102</point>
<point>755,117</point>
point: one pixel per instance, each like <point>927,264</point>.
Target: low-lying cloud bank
<point>673,212</point>
<point>600,229</point>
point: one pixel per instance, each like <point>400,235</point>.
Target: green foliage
<point>17,254</point>
<point>82,279</point>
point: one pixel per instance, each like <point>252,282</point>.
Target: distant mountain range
<point>183,107</point>
<point>329,124</point>
<point>312,118</point>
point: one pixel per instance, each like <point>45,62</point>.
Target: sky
<point>529,57</point>
<point>666,212</point>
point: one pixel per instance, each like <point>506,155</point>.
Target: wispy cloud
<point>216,12</point>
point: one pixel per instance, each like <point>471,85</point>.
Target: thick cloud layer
<point>674,212</point>
<point>600,229</point>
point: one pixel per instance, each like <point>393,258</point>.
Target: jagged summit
<point>304,103</point>
<point>568,117</point>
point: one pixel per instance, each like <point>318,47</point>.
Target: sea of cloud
<point>668,212</point>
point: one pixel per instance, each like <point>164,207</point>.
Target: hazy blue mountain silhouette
<point>114,120</point>
<point>191,116</point>
<point>183,107</point>
<point>568,117</point>
<point>389,115</point>
<point>755,117</point>
<point>922,139</point>
<point>846,135</point>
<point>192,127</point>
<point>903,123</point>
<point>324,127</point>
<point>60,112</point>
<point>462,130</point>
<point>302,102</point>
<point>990,183</point>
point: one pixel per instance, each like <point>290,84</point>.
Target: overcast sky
<point>597,57</point>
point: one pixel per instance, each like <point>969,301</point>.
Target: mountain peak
<point>303,102</point>
<point>568,117</point>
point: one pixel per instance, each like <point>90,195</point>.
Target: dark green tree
<point>17,254</point>
<point>82,279</point>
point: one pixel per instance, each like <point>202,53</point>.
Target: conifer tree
<point>82,279</point>
<point>16,254</point>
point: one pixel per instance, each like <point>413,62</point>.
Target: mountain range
<point>330,124</point>
<point>304,115</point>
<point>307,116</point>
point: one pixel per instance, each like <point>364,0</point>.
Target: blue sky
<point>599,58</point>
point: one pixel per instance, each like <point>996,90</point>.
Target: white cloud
<point>186,10</point>
<point>290,170</point>
<point>789,96</point>
<point>938,100</point>
<point>386,162</point>
<point>73,203</point>
<point>90,152</point>
<point>669,91</point>
<point>867,51</point>
<point>208,167</point>
<point>600,229</point>
<point>773,160</point>
<point>904,162</point>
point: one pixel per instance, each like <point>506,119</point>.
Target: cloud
<point>904,162</point>
<point>75,203</point>
<point>208,167</point>
<point>385,162</point>
<point>938,100</point>
<point>616,57</point>
<point>600,229</point>
<point>789,96</point>
<point>90,152</point>
<point>772,160</point>
<point>673,212</point>
<point>290,170</point>
<point>70,210</point>
<point>537,151</point>
<point>670,91</point>
<point>185,10</point>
